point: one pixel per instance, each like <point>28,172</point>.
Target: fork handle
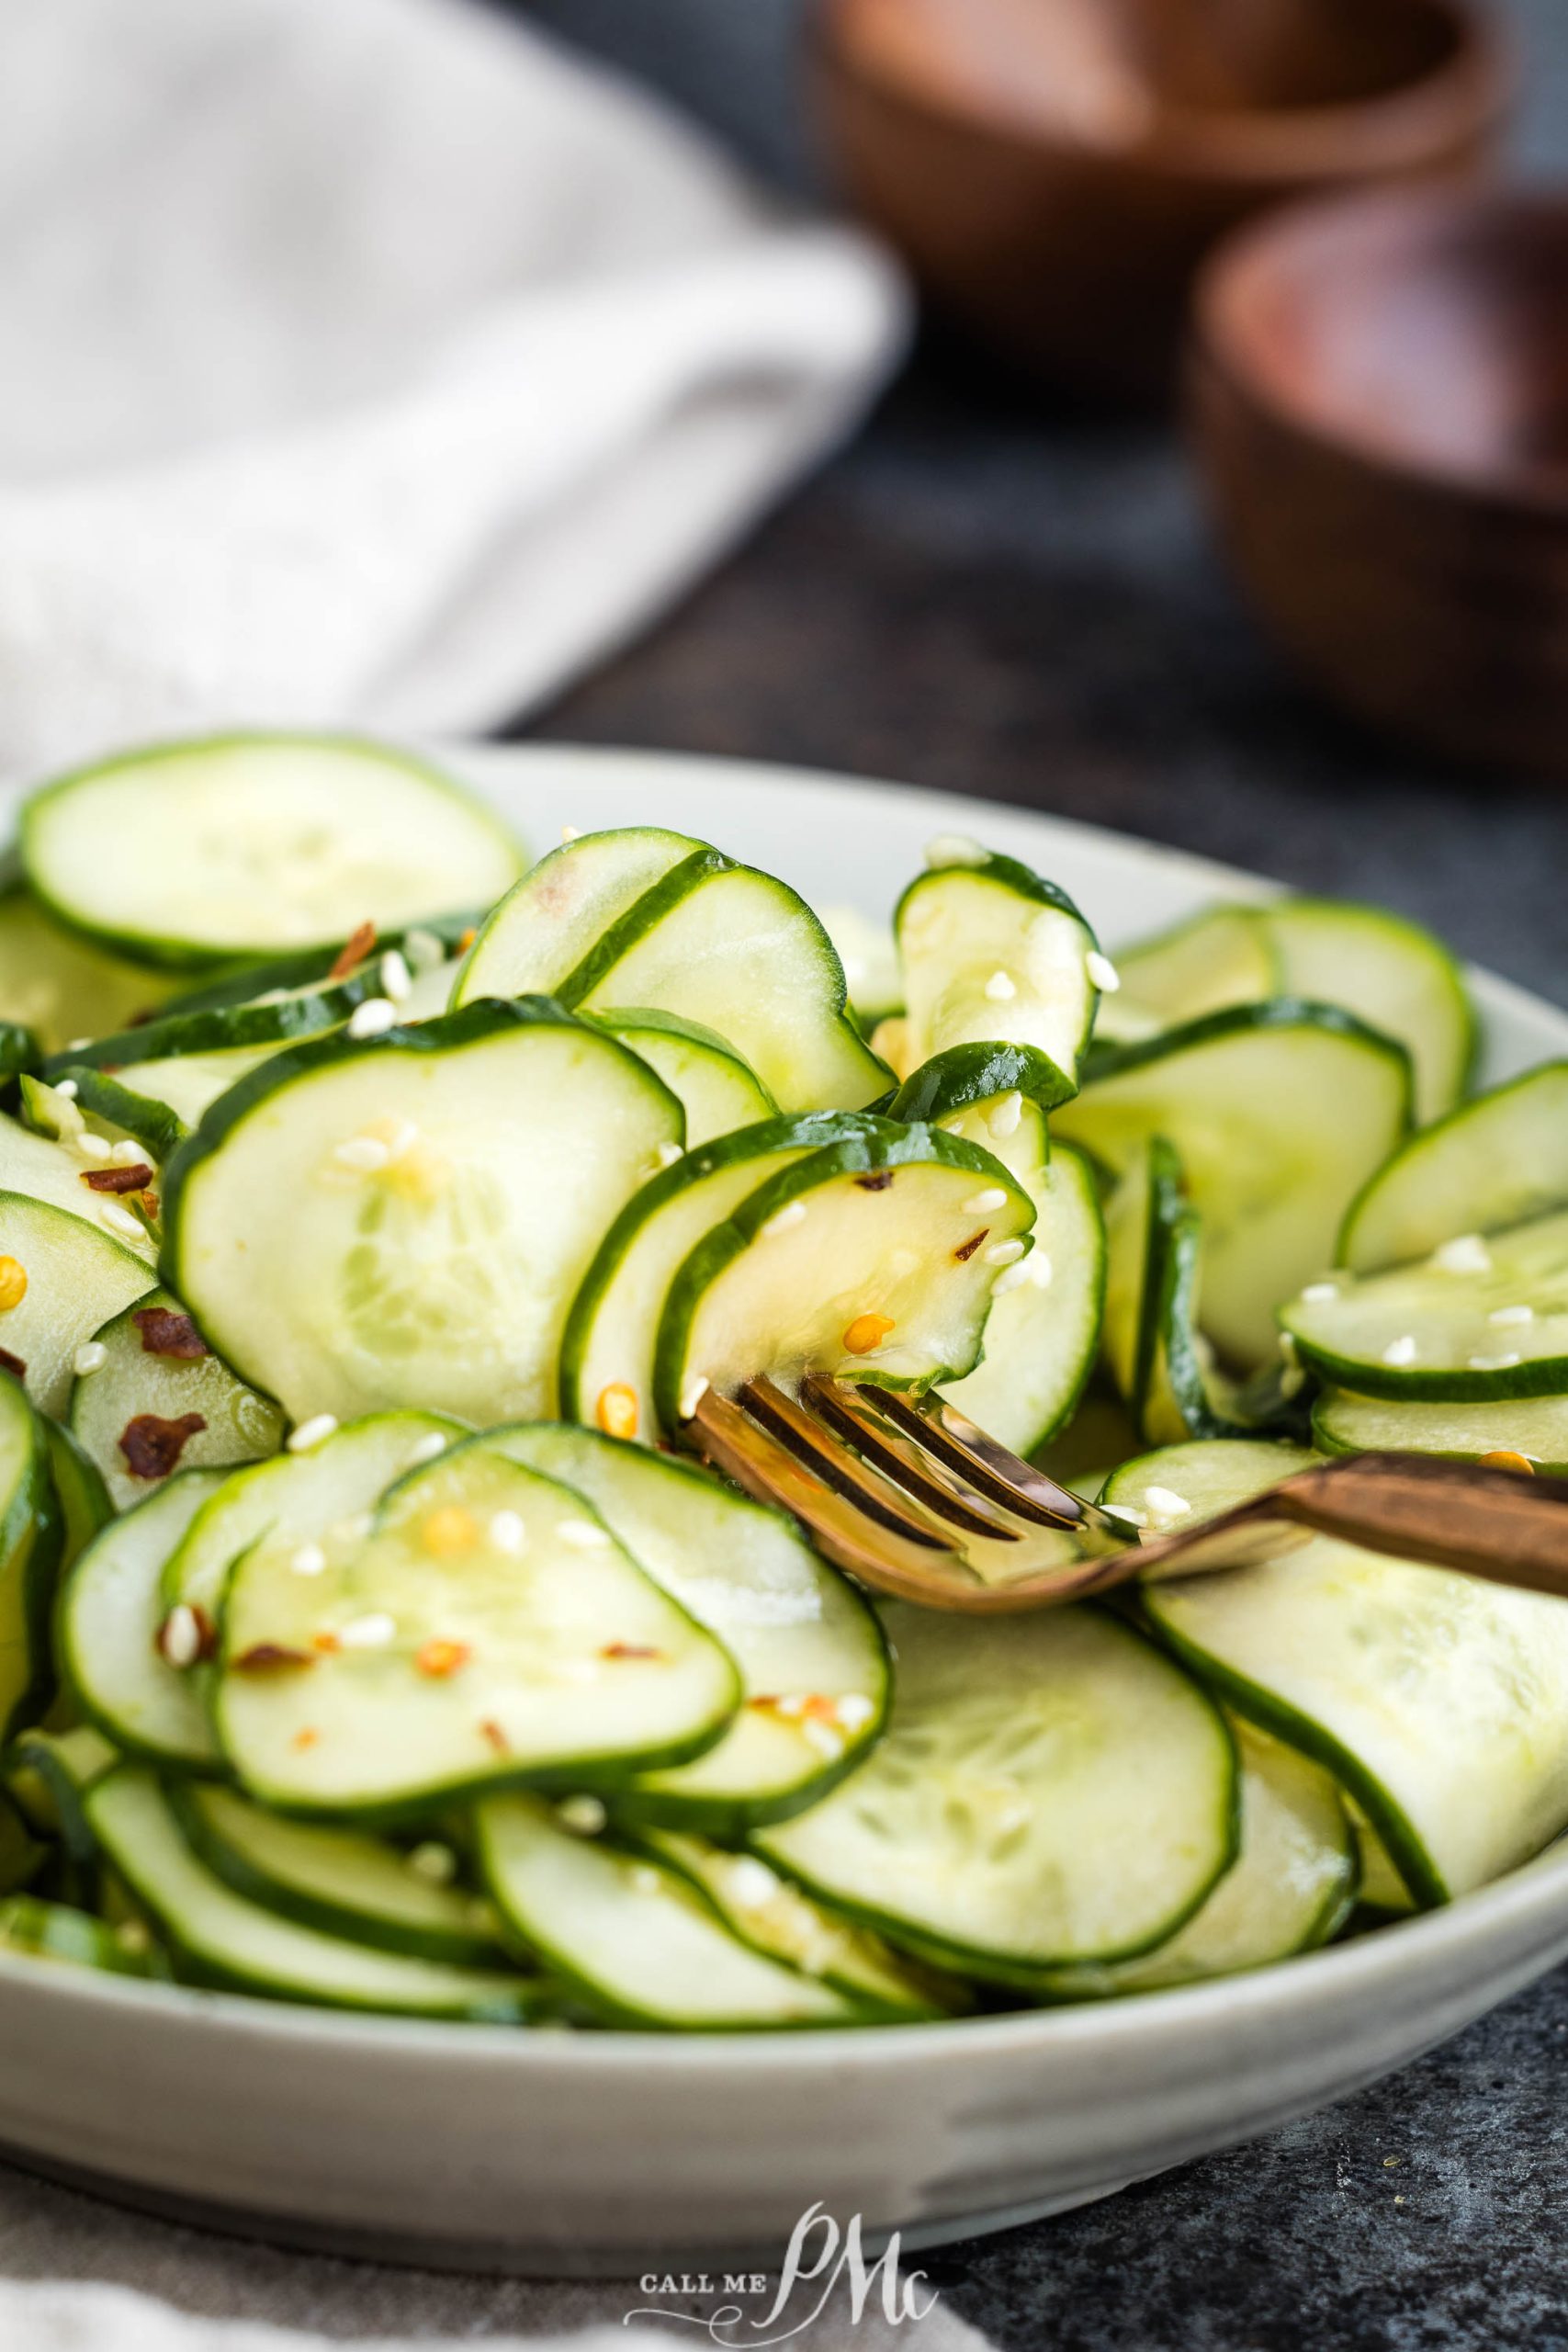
<point>1498,1524</point>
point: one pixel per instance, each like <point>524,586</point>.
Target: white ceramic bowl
<point>614,2154</point>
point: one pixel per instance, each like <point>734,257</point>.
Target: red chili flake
<point>13,1364</point>
<point>118,1179</point>
<point>967,1249</point>
<point>764,1699</point>
<point>328,1644</point>
<point>821,1709</point>
<point>355,949</point>
<point>876,1183</point>
<point>628,1649</point>
<point>152,1446</point>
<point>205,1637</point>
<point>439,1658</point>
<point>166,1332</point>
<point>493,1732</point>
<point>150,1202</point>
<point>266,1657</point>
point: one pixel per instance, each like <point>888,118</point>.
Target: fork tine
<point>834,1464</point>
<point>941,1430</point>
<point>913,1467</point>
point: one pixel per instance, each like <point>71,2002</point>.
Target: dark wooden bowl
<point>1056,170</point>
<point>1379,394</point>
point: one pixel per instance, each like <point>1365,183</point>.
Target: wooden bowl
<point>1056,170</point>
<point>1379,394</point>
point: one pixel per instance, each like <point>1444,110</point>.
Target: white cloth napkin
<point>371,361</point>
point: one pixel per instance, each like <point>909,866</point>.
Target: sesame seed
<point>955,849</point>
<point>1010,1278</point>
<point>855,1710</point>
<point>1492,1364</point>
<point>668,1154</point>
<point>1165,1504</point>
<point>585,1816</point>
<point>90,1147</point>
<point>396,979</point>
<point>1102,972</point>
<point>1319,1293</point>
<point>981,1204</point>
<point>692,1396</point>
<point>369,1633</point>
<point>1004,1118</point>
<point>435,1863</point>
<point>792,1705</point>
<point>1003,1253</point>
<point>310,1560</point>
<point>1288,1346</point>
<point>1465,1254</point>
<point>401,1135</point>
<point>426,1448</point>
<point>67,1089</point>
<point>1133,1517</point>
<point>1402,1350</point>
<point>311,1433</point>
<point>74,1044</point>
<point>1000,989</point>
<point>364,1154</point>
<point>784,1221</point>
<point>422,951</point>
<point>1037,1269</point>
<point>127,1154</point>
<point>91,1356</point>
<point>1505,1315</point>
<point>369,1019</point>
<point>582,1535</point>
<point>1292,1380</point>
<point>181,1638</point>
<point>507,1532</point>
<point>822,1736</point>
<point>750,1883</point>
<point>123,1222</point>
<point>643,1879</point>
<point>570,833</point>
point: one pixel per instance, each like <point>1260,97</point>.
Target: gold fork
<point>913,1499</point>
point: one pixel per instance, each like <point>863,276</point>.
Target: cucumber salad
<point>376,1208</point>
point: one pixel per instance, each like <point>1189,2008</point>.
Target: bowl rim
<point>1513,488</point>
<point>1462,99</point>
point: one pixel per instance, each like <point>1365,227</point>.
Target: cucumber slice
<point>1459,1329</point>
<point>85,1505</point>
<point>875,1257</point>
<point>1279,1111</point>
<point>542,930</point>
<point>58,1931</point>
<point>147,1370</point>
<point>441,1275</point>
<point>812,1660</point>
<point>164,1101</point>
<point>717,1090</point>
<point>47,1774</point>
<point>990,952</point>
<point>428,946</point>
<point>219,1938</point>
<point>335,1880</point>
<point>282,1018</point>
<point>1382,1888</point>
<point>630,1936</point>
<point>21,1856</point>
<point>60,987</point>
<point>1392,973</point>
<point>1041,1335</point>
<point>1289,1890</point>
<point>76,1278</point>
<point>607,1347</point>
<point>766,1912</point>
<point>489,1629</point>
<point>49,1172</point>
<point>979,1077</point>
<point>112,1110</point>
<point>1050,1788</point>
<point>31,1536</point>
<point>1205,1476</point>
<point>110,1613</point>
<point>741,952</point>
<point>1535,1427</point>
<point>245,845</point>
<point>869,953</point>
<point>1439,1702</point>
<point>1223,957</point>
<point>1174,1390</point>
<point>1500,1160</point>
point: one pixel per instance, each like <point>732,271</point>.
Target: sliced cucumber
<point>989,952</point>
<point>869,953</point>
<point>716,1089</point>
<point>281,1018</point>
<point>156,1364</point>
<point>612,1329</point>
<point>1382,1888</point>
<point>1204,1476</point>
<point>111,1614</point>
<point>489,1629</point>
<point>62,987</point>
<point>1049,1790</point>
<point>630,1936</point>
<point>1535,1427</point>
<point>1173,1389</point>
<point>219,1938</point>
<point>116,1111</point>
<point>1490,1323</point>
<point>49,1172</point>
<point>83,1499</point>
<point>429,946</point>
<point>741,953</point>
<point>1500,1160</point>
<point>196,853</point>
<point>440,1275</point>
<point>76,1278</point>
<point>542,930</point>
<point>1279,1111</point>
<point>30,1534</point>
<point>813,1663</point>
<point>1289,1890</point>
<point>766,1912</point>
<point>47,1774</point>
<point>1392,973</point>
<point>58,1931</point>
<point>340,1882</point>
<point>875,1256</point>
<point>1223,957</point>
<point>982,1077</point>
